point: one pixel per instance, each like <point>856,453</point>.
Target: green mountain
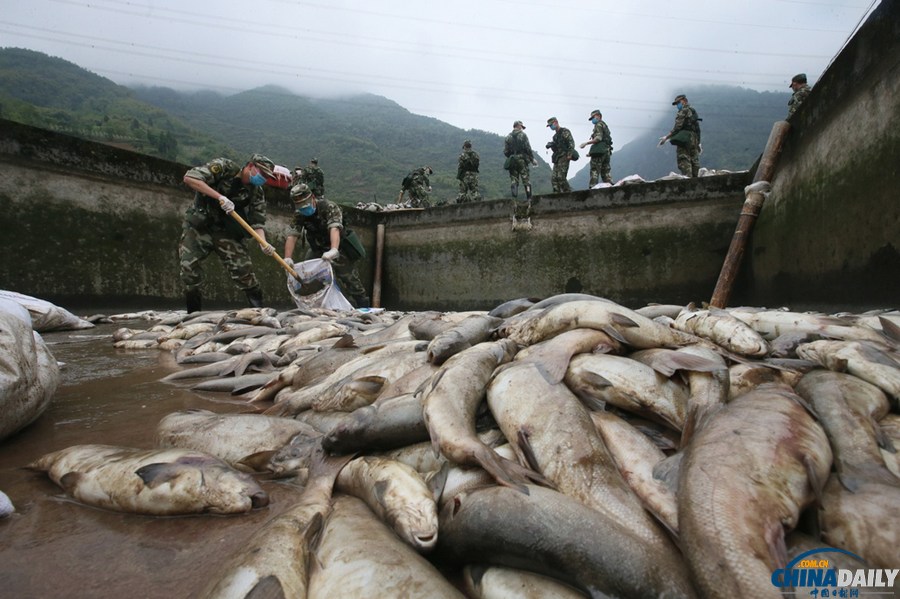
<point>734,131</point>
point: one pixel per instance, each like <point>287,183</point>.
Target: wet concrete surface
<point>55,547</point>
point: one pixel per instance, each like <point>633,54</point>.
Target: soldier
<point>801,90</point>
<point>685,136</point>
<point>312,176</point>
<point>467,173</point>
<point>601,147</point>
<point>563,144</point>
<point>418,186</point>
<point>520,157</point>
<point>323,223</point>
<point>221,187</point>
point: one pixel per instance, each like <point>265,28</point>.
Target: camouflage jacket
<point>417,179</point>
<point>601,134</point>
<point>468,163</point>
<point>517,144</point>
<point>797,99</point>
<point>563,143</point>
<point>223,175</point>
<point>318,226</point>
<point>687,118</point>
<point>315,178</point>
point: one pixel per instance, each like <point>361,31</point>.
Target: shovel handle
<point>262,241</point>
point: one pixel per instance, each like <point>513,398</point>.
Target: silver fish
<point>159,482</point>
<point>867,361</point>
<point>471,331</point>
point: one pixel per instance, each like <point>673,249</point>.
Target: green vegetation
<point>365,144</point>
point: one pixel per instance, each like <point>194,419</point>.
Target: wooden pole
<point>262,241</point>
<point>751,209</point>
<point>379,252</point>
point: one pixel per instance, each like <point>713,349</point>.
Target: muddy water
<point>53,547</point>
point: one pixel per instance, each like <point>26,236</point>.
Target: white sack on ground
<point>46,316</point>
<point>29,374</point>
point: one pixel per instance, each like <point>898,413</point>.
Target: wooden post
<point>379,252</point>
<point>751,209</point>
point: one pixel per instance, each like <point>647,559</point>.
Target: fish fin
<point>312,532</point>
<point>345,341</point>
<point>622,320</point>
<point>596,380</point>
<point>595,404</point>
<point>69,481</point>
<point>159,473</point>
<point>668,470</point>
<point>278,409</point>
<point>506,472</point>
<point>884,440</point>
<point>257,462</point>
<point>267,587</point>
<point>614,334</point>
<point>774,537</point>
<point>525,450</point>
<point>437,480</point>
<point>380,488</point>
<point>890,329</point>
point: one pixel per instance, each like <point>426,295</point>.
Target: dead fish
<point>578,545</point>
<point>654,311</point>
<point>618,321</point>
<point>762,450</point>
<point>397,494</point>
<point>358,556</point>
<point>428,325</point>
<point>188,331</point>
<point>772,323</point>
<point>289,459</point>
<point>276,560</point>
<point>513,307</point>
<point>555,353</point>
<point>854,438</point>
<point>867,361</point>
<point>451,400</point>
<point>723,329</point>
<point>743,378</point>
<point>361,387</point>
<point>229,437</point>
<point>236,384</point>
<point>471,331</point>
<point>629,385</point>
<point>865,521</point>
<point>132,343</point>
<point>488,582</point>
<point>532,413</point>
<point>387,424</point>
<point>158,482</point>
<point>635,456</point>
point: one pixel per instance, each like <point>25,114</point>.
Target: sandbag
<point>29,374</point>
<point>46,316</point>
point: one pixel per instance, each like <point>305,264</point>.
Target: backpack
<point>407,181</point>
<point>694,123</point>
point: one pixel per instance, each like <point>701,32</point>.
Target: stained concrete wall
<point>829,234</point>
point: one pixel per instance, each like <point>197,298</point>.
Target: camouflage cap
<point>467,144</point>
<point>595,112</point>
<point>266,166</point>
<point>551,120</point>
<point>519,124</point>
<point>678,98</point>
<point>428,170</point>
<point>301,194</point>
<point>314,161</point>
<point>798,78</point>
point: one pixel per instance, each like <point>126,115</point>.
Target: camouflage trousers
<point>196,245</point>
<point>346,275</point>
<point>418,197</point>
<point>600,169</point>
<point>560,172</point>
<point>519,171</point>
<point>688,159</point>
<point>468,189</point>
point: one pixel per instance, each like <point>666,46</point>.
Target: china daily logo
<point>813,573</point>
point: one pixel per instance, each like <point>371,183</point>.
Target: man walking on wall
<point>685,136</point>
<point>801,90</point>
<point>221,187</point>
<point>519,159</point>
<point>563,145</point>
<point>601,148</point>
<point>418,186</point>
<point>467,174</point>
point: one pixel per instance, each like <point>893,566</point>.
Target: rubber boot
<point>193,300</point>
<point>254,296</point>
<point>514,190</point>
<point>528,192</point>
<point>695,171</point>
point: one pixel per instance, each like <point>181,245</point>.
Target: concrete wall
<point>829,234</point>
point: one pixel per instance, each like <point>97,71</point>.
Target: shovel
<point>262,241</point>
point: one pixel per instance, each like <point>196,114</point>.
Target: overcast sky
<point>476,64</point>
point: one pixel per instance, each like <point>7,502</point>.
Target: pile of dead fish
<point>554,449</point>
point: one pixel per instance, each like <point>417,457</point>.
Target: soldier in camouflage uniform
<point>467,174</point>
<point>562,145</point>
<point>520,158</point>
<point>418,186</point>
<point>601,147</point>
<point>323,224</point>
<point>221,187</point>
<point>801,90</point>
<point>688,150</point>
<point>312,176</point>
